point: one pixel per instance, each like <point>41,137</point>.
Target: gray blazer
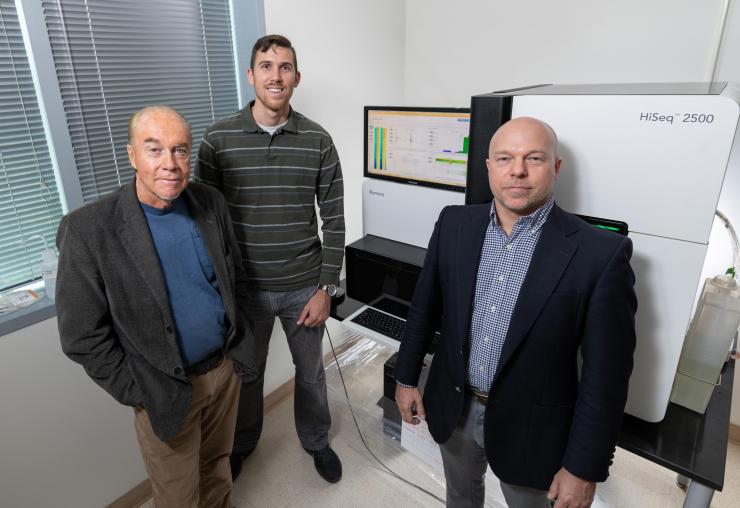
<point>112,306</point>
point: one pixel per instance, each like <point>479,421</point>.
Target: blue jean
<point>311,407</point>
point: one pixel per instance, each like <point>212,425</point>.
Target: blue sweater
<point>192,287</point>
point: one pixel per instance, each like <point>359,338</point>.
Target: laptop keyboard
<point>380,322</point>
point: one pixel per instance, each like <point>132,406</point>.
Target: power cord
<point>362,438</point>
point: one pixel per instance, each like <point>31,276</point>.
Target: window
<point>29,201</point>
<point>112,58</point>
<point>93,63</point>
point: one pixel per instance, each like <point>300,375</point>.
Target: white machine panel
<point>667,272</point>
<point>404,213</point>
<point>656,162</point>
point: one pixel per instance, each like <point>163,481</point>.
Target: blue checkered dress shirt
<point>504,262</point>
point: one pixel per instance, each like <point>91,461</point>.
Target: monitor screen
<point>420,146</point>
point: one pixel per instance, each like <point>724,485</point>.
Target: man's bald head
<point>133,122</point>
<point>530,125</point>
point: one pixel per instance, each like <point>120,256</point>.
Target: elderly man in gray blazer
<point>148,294</point>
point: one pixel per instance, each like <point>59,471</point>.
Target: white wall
<point>63,440</point>
<point>468,47</point>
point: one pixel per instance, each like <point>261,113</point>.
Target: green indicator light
<point>610,228</point>
<point>451,161</point>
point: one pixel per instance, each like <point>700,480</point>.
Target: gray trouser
<point>464,460</point>
<point>311,408</point>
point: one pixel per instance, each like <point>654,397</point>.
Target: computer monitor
<point>418,146</point>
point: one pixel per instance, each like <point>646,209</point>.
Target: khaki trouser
<point>191,470</point>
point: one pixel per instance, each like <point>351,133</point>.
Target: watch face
<point>330,289</point>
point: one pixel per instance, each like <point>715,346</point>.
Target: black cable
<point>362,438</point>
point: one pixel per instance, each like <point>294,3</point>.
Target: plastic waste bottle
<point>707,342</point>
<point>48,269</point>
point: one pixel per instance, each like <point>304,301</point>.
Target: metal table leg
<point>698,496</point>
<point>682,481</point>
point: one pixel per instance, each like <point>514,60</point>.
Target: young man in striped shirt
<point>273,165</point>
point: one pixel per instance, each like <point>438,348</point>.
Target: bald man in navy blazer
<point>517,288</point>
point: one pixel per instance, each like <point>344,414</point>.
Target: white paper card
<point>417,440</point>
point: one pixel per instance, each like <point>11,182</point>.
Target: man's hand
<point>571,491</point>
<point>316,310</point>
<point>407,400</point>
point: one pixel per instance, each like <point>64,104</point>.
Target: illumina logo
<point>375,193</point>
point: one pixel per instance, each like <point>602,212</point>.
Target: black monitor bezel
<point>410,181</point>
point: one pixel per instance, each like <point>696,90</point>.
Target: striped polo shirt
<point>272,184</point>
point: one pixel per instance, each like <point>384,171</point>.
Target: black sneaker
<point>235,461</point>
<point>327,464</point>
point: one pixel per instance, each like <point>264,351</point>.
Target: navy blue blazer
<point>578,293</point>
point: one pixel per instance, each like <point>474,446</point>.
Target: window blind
<point>112,58</point>
<point>29,201</point>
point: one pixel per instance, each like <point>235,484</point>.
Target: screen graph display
<point>424,146</point>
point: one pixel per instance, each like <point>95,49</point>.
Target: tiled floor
<point>281,474</point>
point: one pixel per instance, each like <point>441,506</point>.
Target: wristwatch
<point>330,289</point>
